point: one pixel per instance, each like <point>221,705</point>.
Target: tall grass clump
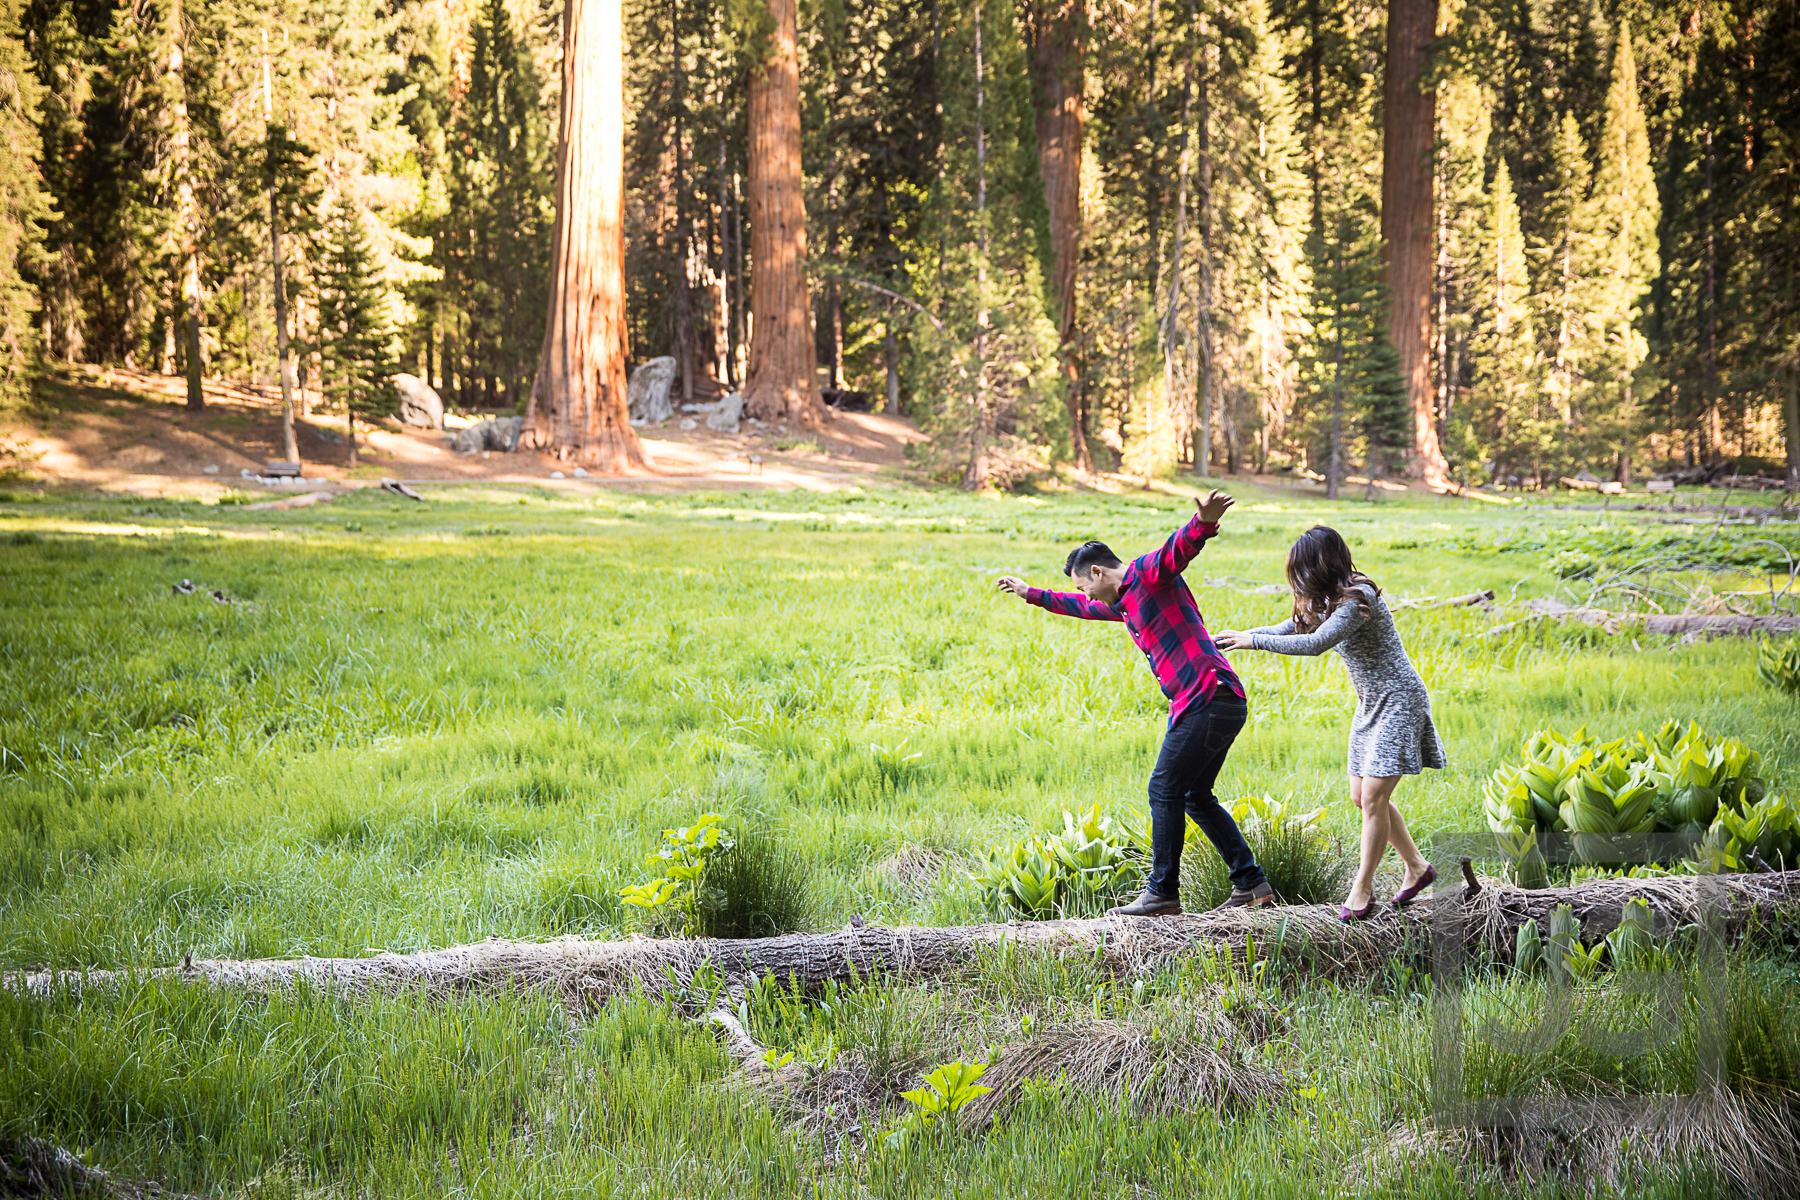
<point>1304,864</point>
<point>760,888</point>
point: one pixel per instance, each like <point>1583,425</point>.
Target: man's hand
<point>1013,584</point>
<point>1232,639</point>
<point>1213,506</point>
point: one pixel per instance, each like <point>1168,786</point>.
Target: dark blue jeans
<point>1182,786</point>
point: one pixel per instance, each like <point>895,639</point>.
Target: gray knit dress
<point>1392,733</point>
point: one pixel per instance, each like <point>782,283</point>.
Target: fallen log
<point>1657,624</point>
<point>1310,937</point>
<point>303,501</point>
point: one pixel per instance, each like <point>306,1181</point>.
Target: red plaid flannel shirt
<point>1164,621</point>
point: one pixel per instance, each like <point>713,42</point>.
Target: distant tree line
<point>1489,240</point>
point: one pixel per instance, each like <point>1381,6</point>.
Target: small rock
<point>688,423</point>
<point>210,470</point>
<point>580,474</point>
<point>731,411</point>
<point>556,474</point>
<point>246,473</point>
<point>639,422</point>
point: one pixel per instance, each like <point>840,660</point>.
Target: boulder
<point>506,434</point>
<point>502,435</point>
<point>731,411</point>
<point>647,396</point>
<point>420,407</point>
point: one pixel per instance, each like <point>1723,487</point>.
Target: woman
<point>1392,734</point>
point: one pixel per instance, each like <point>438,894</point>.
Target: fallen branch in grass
<point>291,502</point>
<point>1654,624</point>
<point>1309,938</point>
<point>32,1167</point>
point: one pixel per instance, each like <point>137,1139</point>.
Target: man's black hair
<point>1089,554</point>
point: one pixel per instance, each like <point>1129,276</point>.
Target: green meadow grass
<point>420,725</point>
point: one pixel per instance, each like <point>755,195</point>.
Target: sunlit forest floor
<point>412,725</point>
<point>129,432</point>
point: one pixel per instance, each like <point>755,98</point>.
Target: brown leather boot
<point>1149,904</point>
<point>1256,897</point>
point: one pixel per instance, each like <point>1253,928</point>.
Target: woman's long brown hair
<point>1323,575</point>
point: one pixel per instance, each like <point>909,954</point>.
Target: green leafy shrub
<point>947,1091</point>
<point>1780,669</point>
<point>1082,870</point>
<point>680,892</point>
<point>717,884</point>
<point>1674,781</point>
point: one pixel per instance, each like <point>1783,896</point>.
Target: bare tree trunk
<point>890,347</point>
<point>577,409</point>
<point>1334,472</point>
<point>783,381</point>
<point>1058,31</point>
<point>1203,300</point>
<point>186,218</point>
<point>1406,211</point>
<point>1177,397</point>
<point>684,227</point>
<point>1791,425</point>
<point>290,450</point>
<point>976,477</point>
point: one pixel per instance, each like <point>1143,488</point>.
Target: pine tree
<point>354,331</point>
<point>23,204</point>
<point>1263,281</point>
<point>1565,279</point>
<point>494,233</point>
<point>1360,401</point>
<point>1464,126</point>
<point>1507,396</point>
<point>1626,211</point>
<point>988,361</point>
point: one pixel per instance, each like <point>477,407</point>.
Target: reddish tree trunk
<point>577,409</point>
<point>1058,30</point>
<point>1406,210</point>
<point>782,382</point>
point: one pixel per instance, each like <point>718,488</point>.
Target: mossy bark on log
<point>1310,938</point>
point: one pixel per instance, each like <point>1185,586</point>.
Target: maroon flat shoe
<point>1348,914</point>
<point>1411,893</point>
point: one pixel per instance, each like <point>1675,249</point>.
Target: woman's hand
<point>1232,639</point>
<point>1013,584</point>
<point>1213,506</point>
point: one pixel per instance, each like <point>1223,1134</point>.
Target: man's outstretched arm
<point>1067,604</point>
<point>1176,553</point>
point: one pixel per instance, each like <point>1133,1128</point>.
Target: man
<point>1207,706</point>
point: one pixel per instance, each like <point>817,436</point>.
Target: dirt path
<point>129,431</point>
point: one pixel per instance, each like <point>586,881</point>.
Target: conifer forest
<point>1471,241</point>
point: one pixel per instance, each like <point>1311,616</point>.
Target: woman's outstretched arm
<point>1335,628</point>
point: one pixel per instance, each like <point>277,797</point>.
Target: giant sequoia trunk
<point>1058,30</point>
<point>1406,194</point>
<point>577,409</point>
<point>1310,937</point>
<point>782,382</point>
